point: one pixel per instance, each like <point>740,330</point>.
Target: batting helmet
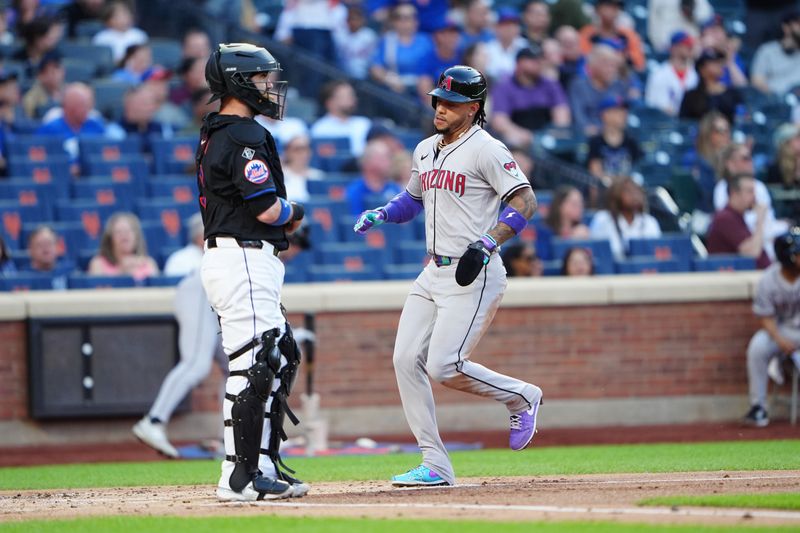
<point>229,70</point>
<point>461,84</point>
<point>787,247</point>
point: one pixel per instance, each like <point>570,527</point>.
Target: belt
<point>213,242</point>
<point>443,260</point>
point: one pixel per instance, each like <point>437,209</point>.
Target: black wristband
<point>298,211</point>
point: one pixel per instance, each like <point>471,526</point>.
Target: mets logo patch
<point>256,171</point>
<point>511,168</point>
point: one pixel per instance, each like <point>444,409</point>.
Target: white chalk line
<point>659,511</point>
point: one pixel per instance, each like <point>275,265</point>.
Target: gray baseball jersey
<point>462,188</point>
<point>776,297</point>
<point>779,299</point>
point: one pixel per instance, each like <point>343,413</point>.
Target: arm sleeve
<point>498,168</point>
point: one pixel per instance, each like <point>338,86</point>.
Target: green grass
<point>755,455</point>
<point>334,525</point>
<point>789,501</point>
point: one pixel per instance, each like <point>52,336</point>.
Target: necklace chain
<point>442,144</point>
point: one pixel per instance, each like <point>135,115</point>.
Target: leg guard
<point>280,406</point>
<point>247,412</point>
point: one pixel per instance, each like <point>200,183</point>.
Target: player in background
<point>247,218</point>
<point>198,342</point>
<point>460,177</point>
<point>777,304</point>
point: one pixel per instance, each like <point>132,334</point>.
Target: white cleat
<point>249,494</point>
<point>154,436</point>
<point>299,489</point>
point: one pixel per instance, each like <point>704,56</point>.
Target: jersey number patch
<point>256,171</point>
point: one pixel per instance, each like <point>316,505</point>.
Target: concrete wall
<point>613,350</point>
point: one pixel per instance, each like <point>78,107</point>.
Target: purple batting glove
<point>369,219</point>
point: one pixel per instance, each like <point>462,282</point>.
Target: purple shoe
<point>523,426</point>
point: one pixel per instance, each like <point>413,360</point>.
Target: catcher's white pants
<point>244,287</point>
<point>440,326</point>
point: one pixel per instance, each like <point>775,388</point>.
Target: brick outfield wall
<point>583,352</point>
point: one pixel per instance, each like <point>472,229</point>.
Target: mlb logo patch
<point>256,171</point>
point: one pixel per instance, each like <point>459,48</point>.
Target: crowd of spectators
<point>596,70</point>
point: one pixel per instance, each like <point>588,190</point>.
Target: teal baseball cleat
<point>419,476</point>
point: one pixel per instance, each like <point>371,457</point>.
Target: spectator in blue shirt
<point>446,53</point>
<point>431,12</point>
<point>139,108</point>
<point>477,23</point>
<point>135,65</point>
<point>74,120</point>
<point>376,167</point>
<point>402,52</point>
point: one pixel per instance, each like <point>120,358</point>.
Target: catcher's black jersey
<point>239,176</point>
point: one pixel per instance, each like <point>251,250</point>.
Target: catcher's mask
<point>229,72</point>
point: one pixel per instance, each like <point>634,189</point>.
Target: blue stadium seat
<point>158,208</point>
<point>12,217</point>
<point>85,281</point>
<point>723,263</point>
<point>164,232</point>
<point>27,281</point>
<point>401,271</point>
<point>601,252</point>
<point>163,281</point>
<point>94,147</point>
<point>647,265</point>
<point>105,191</point>
<point>36,148</point>
<point>333,187</point>
<point>78,70</point>
<point>324,147</point>
<point>321,215</point>
<point>551,268</point>
<point>166,52</point>
<point>99,56</point>
<point>174,156</point>
<point>295,273</point>
<point>330,273</point>
<point>108,96</point>
<point>29,193</point>
<point>409,138</point>
<point>383,236</point>
<point>352,256</point>
<point>91,214</point>
<point>668,246</point>
<point>333,163</point>
<point>182,189</point>
<point>127,169</point>
<point>55,170</point>
<point>411,252</point>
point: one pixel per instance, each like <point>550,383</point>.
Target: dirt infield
<point>586,497</point>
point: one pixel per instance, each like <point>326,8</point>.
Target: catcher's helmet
<point>787,247</point>
<point>461,84</point>
<point>228,72</point>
